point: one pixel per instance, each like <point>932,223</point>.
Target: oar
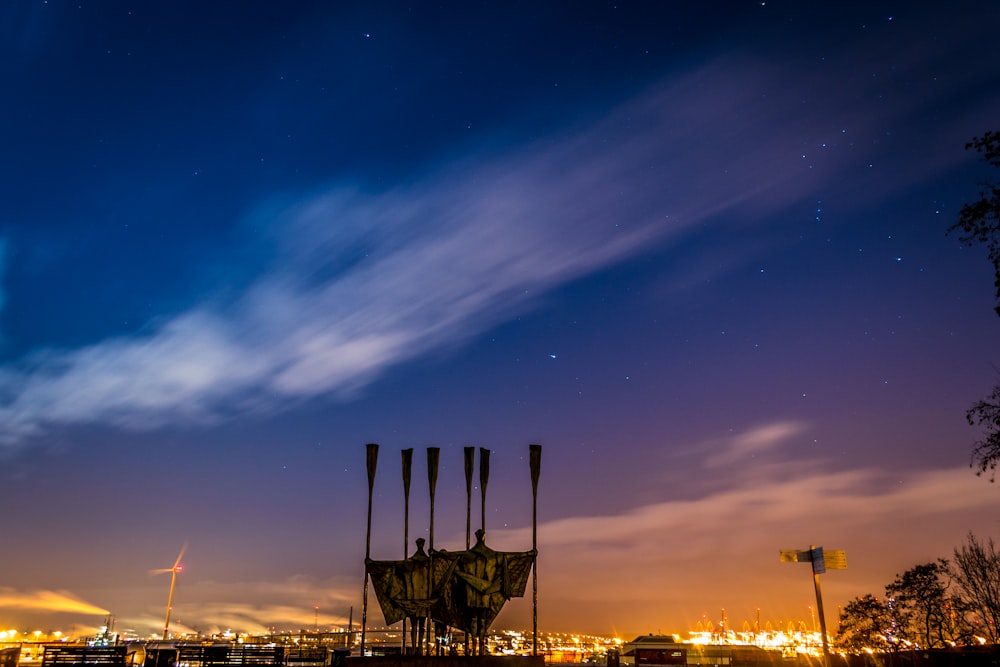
<point>407,455</point>
<point>470,459</point>
<point>484,478</point>
<point>371,455</point>
<point>433,457</point>
<point>535,460</point>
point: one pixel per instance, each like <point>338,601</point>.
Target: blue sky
<point>698,253</point>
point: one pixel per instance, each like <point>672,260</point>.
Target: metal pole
<point>371,459</point>
<point>535,460</point>
<point>170,604</point>
<point>819,606</point>
<point>170,598</point>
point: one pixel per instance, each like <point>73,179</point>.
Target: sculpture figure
<point>410,588</point>
<point>483,581</point>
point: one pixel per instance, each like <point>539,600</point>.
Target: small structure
<point>9,656</point>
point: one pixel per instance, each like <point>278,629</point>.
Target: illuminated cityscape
<point>794,639</point>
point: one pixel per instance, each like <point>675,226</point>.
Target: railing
<point>61,655</point>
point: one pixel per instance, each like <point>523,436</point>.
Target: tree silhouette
<point>986,413</point>
<point>977,574</point>
<point>927,613</point>
<point>865,625</point>
<point>979,222</point>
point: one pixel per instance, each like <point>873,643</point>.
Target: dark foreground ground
<point>987,656</point>
<point>715,656</point>
<point>447,661</point>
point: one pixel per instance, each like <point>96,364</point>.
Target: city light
<point>789,638</point>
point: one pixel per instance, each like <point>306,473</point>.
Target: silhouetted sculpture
<point>483,581</point>
<point>458,589</point>
<point>410,588</point>
<point>462,589</point>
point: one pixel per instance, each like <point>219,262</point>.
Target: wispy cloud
<point>256,606</point>
<point>759,440</point>
<point>47,601</point>
<point>362,281</point>
<point>677,560</point>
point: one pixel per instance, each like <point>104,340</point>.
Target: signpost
<point>821,561</point>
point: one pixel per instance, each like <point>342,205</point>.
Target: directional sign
<point>833,559</point>
<point>819,567</point>
<point>795,556</point>
<point>820,560</point>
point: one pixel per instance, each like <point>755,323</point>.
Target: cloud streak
<point>679,559</point>
<point>363,281</point>
<point>47,601</point>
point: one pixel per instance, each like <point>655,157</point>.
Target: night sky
<point>697,251</point>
